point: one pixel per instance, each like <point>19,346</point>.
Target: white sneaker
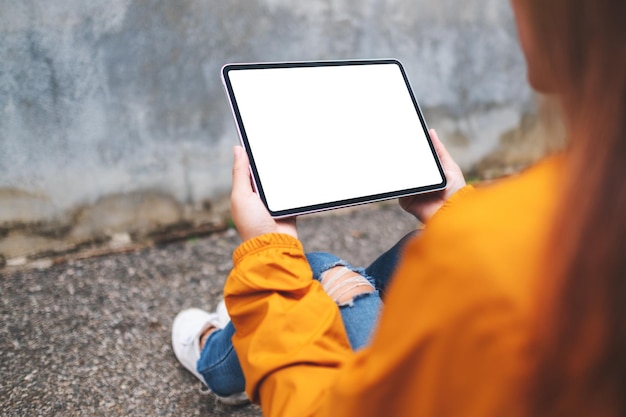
<point>222,314</point>
<point>187,328</point>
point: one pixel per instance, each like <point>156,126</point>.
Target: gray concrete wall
<point>112,108</point>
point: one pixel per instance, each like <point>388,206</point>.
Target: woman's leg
<point>359,312</point>
<point>218,362</point>
<point>383,268</point>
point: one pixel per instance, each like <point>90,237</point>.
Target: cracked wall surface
<point>123,97</point>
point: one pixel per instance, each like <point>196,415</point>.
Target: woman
<point>202,341</point>
<point>511,300</point>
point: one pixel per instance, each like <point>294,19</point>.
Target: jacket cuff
<point>263,242</point>
<point>460,194</point>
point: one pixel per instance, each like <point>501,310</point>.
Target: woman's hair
<point>581,341</point>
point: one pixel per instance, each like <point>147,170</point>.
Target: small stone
<point>42,264</point>
<point>20,261</point>
<point>119,240</point>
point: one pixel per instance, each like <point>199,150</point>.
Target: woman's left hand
<point>424,206</point>
<point>249,214</point>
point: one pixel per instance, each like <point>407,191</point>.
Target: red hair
<point>581,339</point>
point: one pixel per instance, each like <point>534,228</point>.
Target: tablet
<point>330,134</point>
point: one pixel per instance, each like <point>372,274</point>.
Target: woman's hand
<point>249,214</point>
<point>423,206</point>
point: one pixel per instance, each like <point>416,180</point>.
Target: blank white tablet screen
<point>323,134</point>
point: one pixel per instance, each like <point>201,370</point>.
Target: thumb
<point>444,156</point>
<point>241,172</point>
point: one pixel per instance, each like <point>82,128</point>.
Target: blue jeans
<point>218,362</point>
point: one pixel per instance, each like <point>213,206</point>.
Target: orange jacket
<point>453,334</point>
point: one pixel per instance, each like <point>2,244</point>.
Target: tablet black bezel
<point>333,204</point>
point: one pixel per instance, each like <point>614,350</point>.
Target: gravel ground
<point>92,337</point>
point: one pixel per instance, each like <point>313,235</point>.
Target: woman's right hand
<point>423,206</point>
<point>249,214</point>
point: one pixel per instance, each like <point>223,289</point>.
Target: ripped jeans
<point>218,362</point>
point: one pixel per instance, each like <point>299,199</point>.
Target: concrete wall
<point>112,108</point>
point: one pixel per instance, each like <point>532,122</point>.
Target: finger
<point>241,172</point>
<point>444,156</point>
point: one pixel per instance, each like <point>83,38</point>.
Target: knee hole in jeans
<point>343,285</point>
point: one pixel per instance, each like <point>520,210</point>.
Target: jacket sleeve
<point>289,335</point>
